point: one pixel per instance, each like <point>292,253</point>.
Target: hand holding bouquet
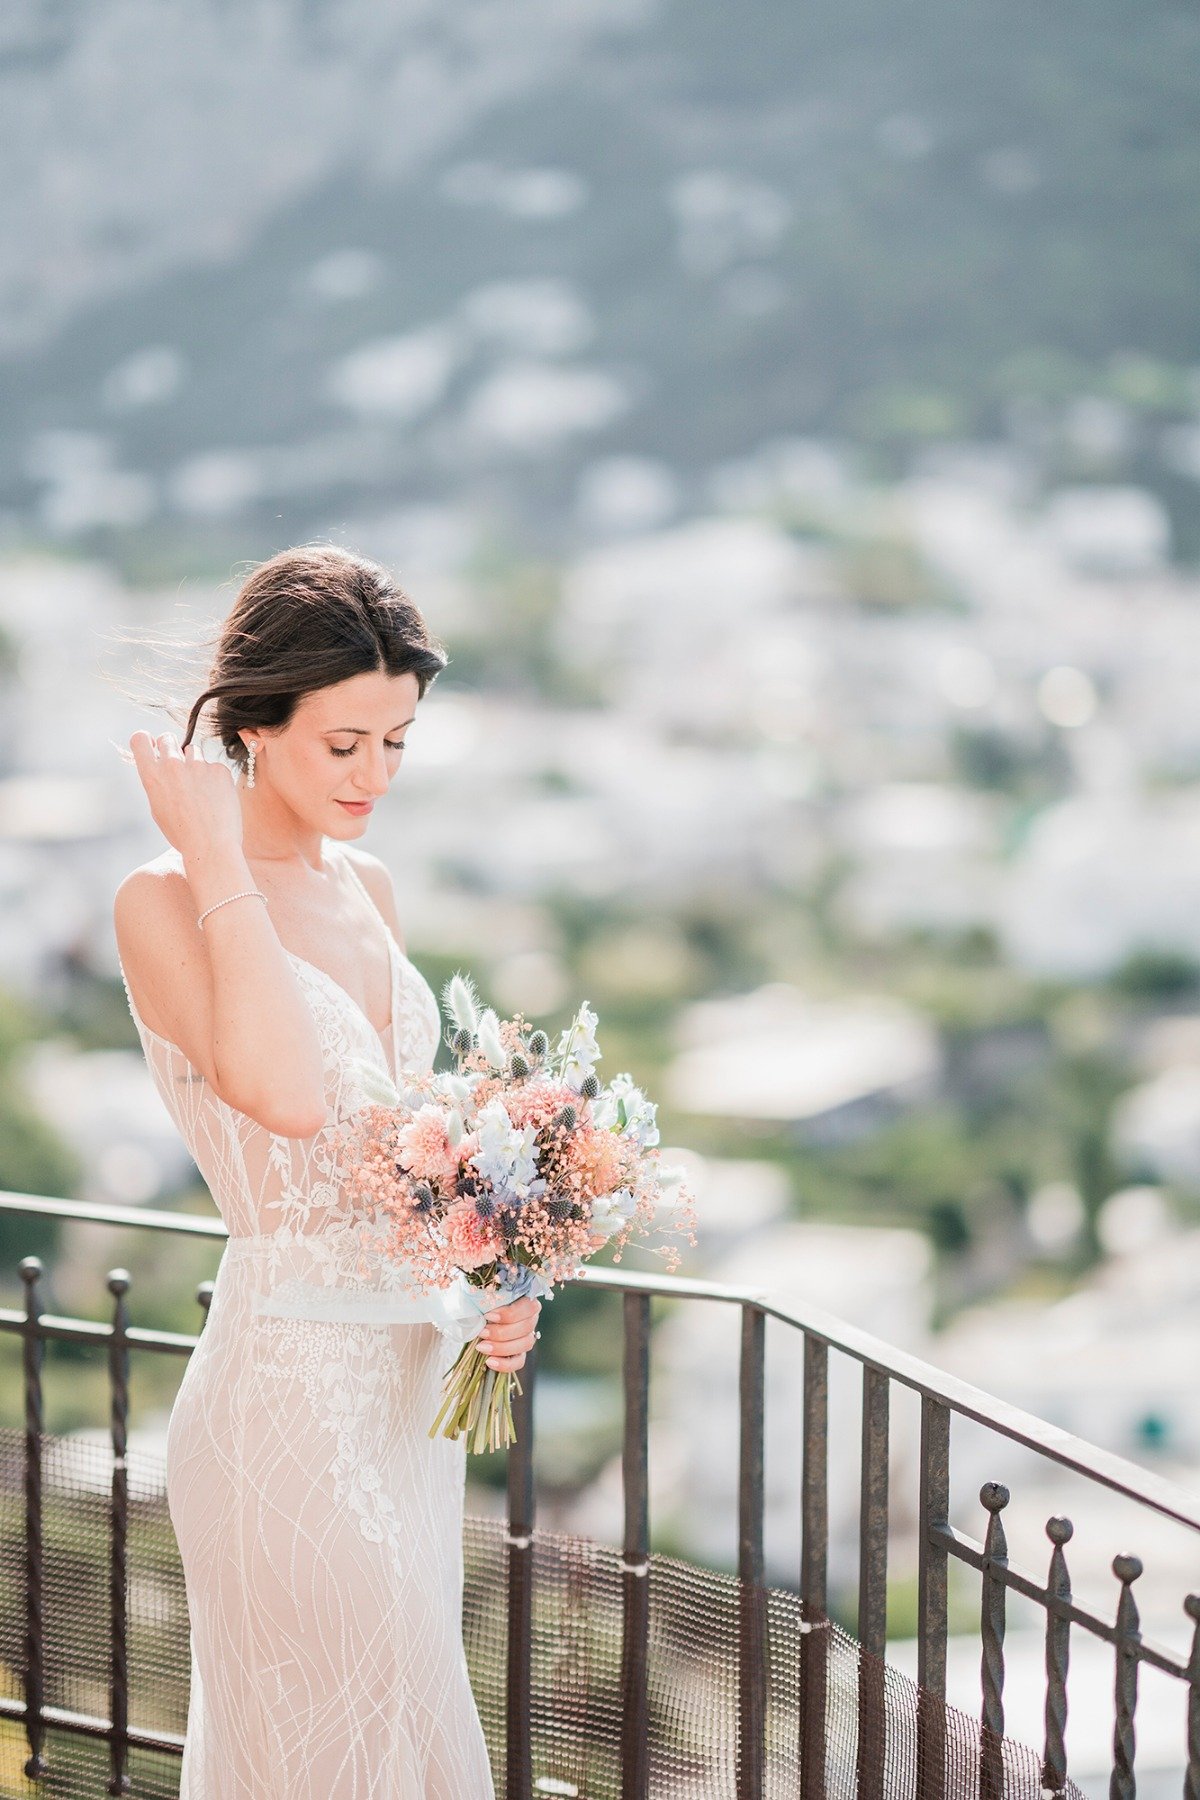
<point>503,1175</point>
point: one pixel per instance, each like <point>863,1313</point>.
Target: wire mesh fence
<point>576,1697</point>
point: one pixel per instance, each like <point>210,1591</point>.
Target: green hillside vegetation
<point>936,220</point>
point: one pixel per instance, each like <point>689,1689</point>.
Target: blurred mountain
<point>267,261</point>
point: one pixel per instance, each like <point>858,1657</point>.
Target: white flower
<point>578,1052</point>
<point>611,1211</point>
<point>635,1114</point>
<point>410,1097</point>
<point>452,1086</point>
<point>604,1110</point>
<point>507,1157</point>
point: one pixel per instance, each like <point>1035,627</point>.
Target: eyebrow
<point>359,730</point>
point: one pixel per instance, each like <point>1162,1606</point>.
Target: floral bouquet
<point>503,1175</point>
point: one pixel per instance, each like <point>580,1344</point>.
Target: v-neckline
<point>388,1035</point>
<point>383,1038</point>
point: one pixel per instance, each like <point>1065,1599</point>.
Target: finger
<point>510,1325</point>
<point>499,1315</point>
<point>500,1337</point>
<point>169,748</point>
<point>504,1320</point>
<point>506,1339</point>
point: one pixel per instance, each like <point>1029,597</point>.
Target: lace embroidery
<point>328,1655</point>
<point>345,1374</point>
<point>298,1249</point>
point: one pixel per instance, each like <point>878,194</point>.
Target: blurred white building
<point>1100,877</point>
<point>835,1066</point>
<point>1113,1362</point>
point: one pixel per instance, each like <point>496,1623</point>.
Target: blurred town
<point>845,757</point>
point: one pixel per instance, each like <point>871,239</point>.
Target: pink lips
<point>357,806</point>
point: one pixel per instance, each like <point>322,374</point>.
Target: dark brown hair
<point>305,619</point>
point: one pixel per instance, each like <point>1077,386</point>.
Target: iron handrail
<point>1146,1486</point>
<point>942,1395</point>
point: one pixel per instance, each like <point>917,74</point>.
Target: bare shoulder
<point>154,894</point>
<point>376,877</point>
<point>161,952</point>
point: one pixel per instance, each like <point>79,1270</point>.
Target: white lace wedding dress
<point>320,1527</point>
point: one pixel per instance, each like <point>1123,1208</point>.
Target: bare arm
<point>227,994</point>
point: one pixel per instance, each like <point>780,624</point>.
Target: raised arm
<point>227,995</point>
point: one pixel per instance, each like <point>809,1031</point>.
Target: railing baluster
<point>752,1633</point>
<point>34,1671</point>
<point>940,1396</point>
<point>933,1507</point>
<point>1191,1786</point>
<point>1058,1651</point>
<point>814,1562</point>
<point>635,1617</point>
<point>994,1495</point>
<point>118,1372</point>
<point>872,1583</point>
<point>1123,1783</point>
<point>518,1745</point>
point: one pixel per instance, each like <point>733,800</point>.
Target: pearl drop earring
<point>250,765</point>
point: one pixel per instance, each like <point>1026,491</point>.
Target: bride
<point>319,1525</point>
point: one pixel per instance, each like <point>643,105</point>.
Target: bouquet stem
<point>477,1403</point>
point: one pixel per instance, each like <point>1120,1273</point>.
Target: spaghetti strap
<point>394,951</point>
<point>319,1525</point>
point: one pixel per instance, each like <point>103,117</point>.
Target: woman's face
<point>342,745</point>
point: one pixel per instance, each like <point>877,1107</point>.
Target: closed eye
<point>387,744</point>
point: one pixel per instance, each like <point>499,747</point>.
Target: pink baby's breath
<point>404,1169</point>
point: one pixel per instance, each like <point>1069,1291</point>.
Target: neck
<point>271,833</point>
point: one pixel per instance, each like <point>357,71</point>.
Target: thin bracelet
<point>243,895</point>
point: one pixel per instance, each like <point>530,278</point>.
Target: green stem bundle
<point>477,1402</point>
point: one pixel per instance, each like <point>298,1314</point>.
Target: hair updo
<point>308,618</point>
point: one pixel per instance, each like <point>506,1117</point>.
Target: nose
<point>373,779</point>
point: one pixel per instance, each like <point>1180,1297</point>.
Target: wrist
<point>215,871</point>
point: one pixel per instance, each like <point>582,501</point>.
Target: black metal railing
<point>941,1397</point>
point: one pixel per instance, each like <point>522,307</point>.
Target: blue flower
<point>515,1280</point>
